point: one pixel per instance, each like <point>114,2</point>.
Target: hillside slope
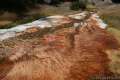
<point>65,52</point>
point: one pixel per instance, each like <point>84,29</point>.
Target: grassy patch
<point>112,17</point>
<point>112,20</point>
<point>90,7</point>
<point>115,32</point>
<point>23,21</point>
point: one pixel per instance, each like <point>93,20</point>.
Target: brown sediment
<point>62,55</point>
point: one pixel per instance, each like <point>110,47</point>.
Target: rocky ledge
<point>72,47</point>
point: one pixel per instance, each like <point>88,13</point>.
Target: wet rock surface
<point>62,53</point>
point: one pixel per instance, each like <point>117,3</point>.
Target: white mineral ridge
<point>41,23</point>
<point>50,21</point>
<point>100,22</point>
<point>79,15</point>
<point>6,35</point>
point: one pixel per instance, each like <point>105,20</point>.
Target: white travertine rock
<point>100,22</point>
<point>79,15</point>
<point>51,21</point>
<point>6,35</point>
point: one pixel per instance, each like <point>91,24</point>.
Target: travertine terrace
<point>73,48</point>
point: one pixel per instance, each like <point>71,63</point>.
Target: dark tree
<point>116,1</point>
<point>16,5</point>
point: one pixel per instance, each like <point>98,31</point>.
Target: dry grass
<point>111,16</point>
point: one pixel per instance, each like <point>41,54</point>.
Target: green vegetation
<point>19,6</point>
<point>114,25</point>
<point>82,4</point>
<point>79,4</point>
<point>112,18</point>
<point>115,32</point>
<point>23,21</point>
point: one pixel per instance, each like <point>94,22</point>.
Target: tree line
<point>21,5</point>
<point>12,5</point>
